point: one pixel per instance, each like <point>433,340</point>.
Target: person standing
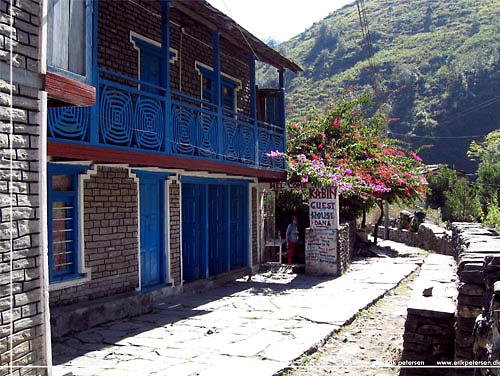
<point>292,239</point>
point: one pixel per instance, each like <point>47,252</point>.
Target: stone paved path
<point>245,328</point>
<point>366,346</point>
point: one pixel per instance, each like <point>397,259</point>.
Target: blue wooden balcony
<point>137,116</point>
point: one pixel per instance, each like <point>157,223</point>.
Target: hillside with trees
<point>437,64</point>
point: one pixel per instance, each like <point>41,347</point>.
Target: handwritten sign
<point>323,208</point>
<point>321,252</point>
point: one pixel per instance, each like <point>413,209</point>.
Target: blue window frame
<point>62,213</point>
<point>150,63</point>
<point>228,88</point>
<point>69,38</point>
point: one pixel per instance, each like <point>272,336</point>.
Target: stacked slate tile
<point>429,329</point>
<point>472,244</point>
<point>487,327</point>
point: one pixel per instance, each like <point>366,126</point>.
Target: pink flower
<point>320,146</point>
<point>416,157</point>
<point>336,122</point>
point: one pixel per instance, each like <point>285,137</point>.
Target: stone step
<point>274,267</point>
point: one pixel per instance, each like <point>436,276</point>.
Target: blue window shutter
<point>150,70</point>
<point>63,214</point>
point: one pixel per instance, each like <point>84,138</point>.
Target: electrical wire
<point>436,137</point>
<point>238,27</point>
<point>365,33</point>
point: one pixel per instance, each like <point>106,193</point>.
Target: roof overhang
<point>215,20</point>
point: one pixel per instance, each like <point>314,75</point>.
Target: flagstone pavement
<point>254,327</point>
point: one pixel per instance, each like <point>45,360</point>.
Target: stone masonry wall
<point>487,327</point>
<point>476,335</point>
<point>26,317</point>
<point>472,244</point>
<point>429,329</point>
<point>110,233</point>
<point>175,232</point>
<point>345,248</point>
<point>429,236</point>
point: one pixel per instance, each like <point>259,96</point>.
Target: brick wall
<point>175,232</point>
<point>117,53</point>
<point>26,317</point>
<point>255,213</point>
<point>110,233</point>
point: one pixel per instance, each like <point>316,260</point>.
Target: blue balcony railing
<point>132,115</point>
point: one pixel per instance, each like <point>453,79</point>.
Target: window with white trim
<point>63,216</point>
<point>228,88</point>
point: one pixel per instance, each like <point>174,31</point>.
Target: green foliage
<point>462,201</point>
<point>437,59</point>
<point>492,217</point>
<point>439,183</point>
<point>488,183</point>
<point>488,151</point>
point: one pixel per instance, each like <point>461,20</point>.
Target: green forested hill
<point>438,64</point>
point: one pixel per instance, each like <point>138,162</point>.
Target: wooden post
<point>165,72</point>
<point>386,220</point>
<point>217,92</point>
<point>94,124</point>
<point>253,105</point>
<point>281,72</point>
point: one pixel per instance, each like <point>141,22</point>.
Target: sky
<point>277,19</point>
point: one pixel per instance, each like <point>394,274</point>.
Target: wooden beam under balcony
<point>136,158</point>
<point>67,92</point>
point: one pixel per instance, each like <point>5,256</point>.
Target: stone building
<point>24,315</point>
<point>135,144</point>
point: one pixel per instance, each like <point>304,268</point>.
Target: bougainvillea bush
<point>345,148</point>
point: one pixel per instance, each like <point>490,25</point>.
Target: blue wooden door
<point>193,218</point>
<point>151,230</point>
<point>218,229</point>
<point>239,225</point>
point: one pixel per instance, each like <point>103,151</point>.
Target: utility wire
<point>473,109</point>
<point>365,33</point>
<point>436,137</point>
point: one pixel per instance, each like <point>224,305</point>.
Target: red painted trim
<point>106,155</point>
<point>69,91</point>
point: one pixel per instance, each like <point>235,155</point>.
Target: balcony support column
<point>281,73</point>
<point>217,93</point>
<point>94,123</point>
<point>165,73</point>
<point>282,121</point>
<point>253,104</point>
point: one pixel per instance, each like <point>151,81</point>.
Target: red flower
<point>416,157</point>
<point>314,156</point>
<point>388,151</point>
<point>336,123</point>
<point>320,146</point>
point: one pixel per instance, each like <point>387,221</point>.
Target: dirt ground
<point>366,346</point>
